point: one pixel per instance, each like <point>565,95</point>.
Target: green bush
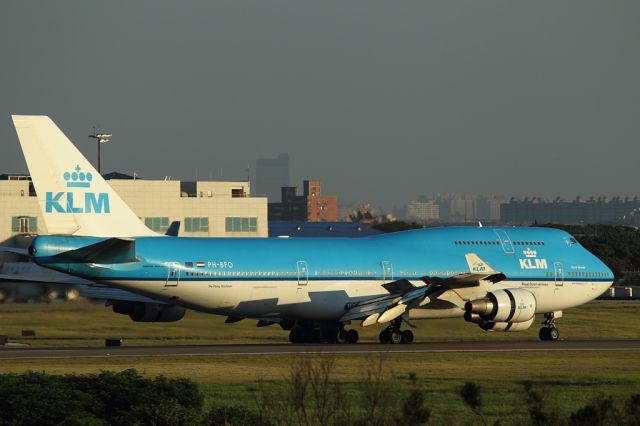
<point>124,398</point>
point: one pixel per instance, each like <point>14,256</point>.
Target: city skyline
<point>378,102</point>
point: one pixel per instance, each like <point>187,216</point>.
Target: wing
<point>44,279</point>
<point>114,294</point>
<point>15,250</point>
<point>405,295</point>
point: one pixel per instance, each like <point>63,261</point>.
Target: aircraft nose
<point>610,276</point>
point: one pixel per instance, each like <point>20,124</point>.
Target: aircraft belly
<point>318,299</point>
<point>569,295</point>
<point>326,300</point>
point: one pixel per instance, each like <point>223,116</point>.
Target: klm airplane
<point>497,278</point>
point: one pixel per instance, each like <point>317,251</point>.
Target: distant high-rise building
<point>271,175</point>
<point>456,208</point>
<point>578,211</point>
<point>310,207</point>
<point>423,211</point>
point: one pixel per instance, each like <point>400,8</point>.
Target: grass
<point>82,324</point>
<point>571,378</point>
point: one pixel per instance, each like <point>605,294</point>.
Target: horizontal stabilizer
<point>109,251</point>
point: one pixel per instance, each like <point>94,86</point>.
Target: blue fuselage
<point>201,272</point>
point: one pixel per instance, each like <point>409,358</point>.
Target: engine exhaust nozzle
<point>479,306</point>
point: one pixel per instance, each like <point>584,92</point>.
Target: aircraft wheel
<point>341,336</point>
<point>312,336</point>
<point>553,333</point>
<point>352,336</point>
<point>385,336</point>
<point>295,335</point>
<point>544,333</point>
<point>407,336</point>
<point>395,337</point>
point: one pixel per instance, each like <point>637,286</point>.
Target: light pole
<point>101,138</point>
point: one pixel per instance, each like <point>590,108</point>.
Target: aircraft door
<point>173,274</point>
<point>303,273</point>
<point>507,245</point>
<point>558,273</point>
<point>387,271</point>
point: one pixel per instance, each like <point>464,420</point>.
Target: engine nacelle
<point>149,312</point>
<point>512,305</point>
<point>506,326</point>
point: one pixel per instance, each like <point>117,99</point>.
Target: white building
<point>204,209</point>
<point>423,211</point>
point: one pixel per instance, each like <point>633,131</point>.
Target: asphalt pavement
<point>9,353</point>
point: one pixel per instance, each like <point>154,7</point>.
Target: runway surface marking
<point>285,349</point>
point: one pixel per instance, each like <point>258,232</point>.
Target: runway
<point>498,346</point>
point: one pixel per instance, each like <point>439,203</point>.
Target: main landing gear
<point>393,334</point>
<point>322,332</point>
<point>549,332</point>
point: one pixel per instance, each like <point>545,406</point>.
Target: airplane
<point>496,277</point>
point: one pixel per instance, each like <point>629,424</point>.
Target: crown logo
<point>529,253</point>
<point>78,178</point>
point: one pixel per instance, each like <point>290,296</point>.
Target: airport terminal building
<point>203,208</point>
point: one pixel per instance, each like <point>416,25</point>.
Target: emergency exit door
<point>559,273</point>
<point>303,273</point>
<point>387,271</point>
<point>173,274</point>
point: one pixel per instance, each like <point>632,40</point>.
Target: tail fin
<point>73,196</point>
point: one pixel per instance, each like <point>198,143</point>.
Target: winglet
<point>477,265</point>
<point>174,229</point>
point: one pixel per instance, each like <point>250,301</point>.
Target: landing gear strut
<point>393,334</point>
<point>323,332</point>
<point>549,331</point>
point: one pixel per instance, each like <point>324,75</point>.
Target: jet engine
<point>149,312</point>
<point>502,307</point>
<point>506,326</point>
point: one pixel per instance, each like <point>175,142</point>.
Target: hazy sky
<point>382,101</point>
